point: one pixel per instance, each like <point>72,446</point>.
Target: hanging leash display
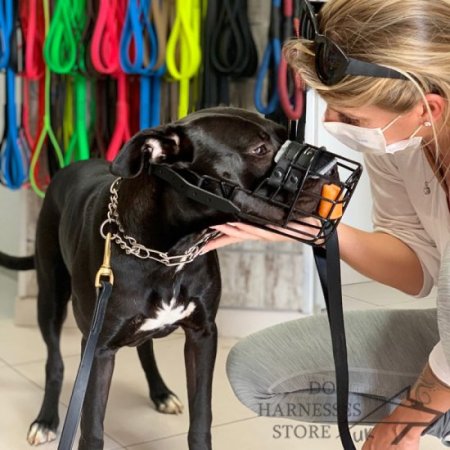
<point>183,53</point>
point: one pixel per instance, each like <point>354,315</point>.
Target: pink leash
<point>105,55</point>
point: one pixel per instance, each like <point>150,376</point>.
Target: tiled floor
<point>132,423</point>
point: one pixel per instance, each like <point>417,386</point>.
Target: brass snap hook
<point>105,269</point>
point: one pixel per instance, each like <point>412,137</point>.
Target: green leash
<point>64,54</point>
<point>47,126</point>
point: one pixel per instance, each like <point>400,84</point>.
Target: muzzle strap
<point>328,266</point>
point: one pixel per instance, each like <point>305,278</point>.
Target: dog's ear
<point>164,143</point>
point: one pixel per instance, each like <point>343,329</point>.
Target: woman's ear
<point>438,107</point>
<point>151,145</point>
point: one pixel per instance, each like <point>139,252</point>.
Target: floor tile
<point>21,400</point>
<point>8,292</point>
<point>131,417</point>
<point>378,294</point>
<point>350,303</point>
<point>423,303</point>
<point>24,344</point>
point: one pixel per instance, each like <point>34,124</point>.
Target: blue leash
<point>138,25</point>
<point>6,26</point>
<point>272,54</point>
<point>12,161</point>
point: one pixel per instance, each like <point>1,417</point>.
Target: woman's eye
<point>260,151</point>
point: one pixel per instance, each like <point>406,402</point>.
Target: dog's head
<point>223,143</point>
<point>226,143</point>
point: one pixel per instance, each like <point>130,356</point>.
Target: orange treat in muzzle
<point>331,192</point>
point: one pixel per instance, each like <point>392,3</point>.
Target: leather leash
<point>104,289</point>
<point>328,266</point>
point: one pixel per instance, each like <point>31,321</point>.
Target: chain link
<point>132,247</point>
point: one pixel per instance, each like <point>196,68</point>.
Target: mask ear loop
<point>47,127</point>
<point>391,122</point>
<point>185,33</point>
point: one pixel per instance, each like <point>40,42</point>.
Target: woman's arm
<point>381,257</point>
<point>427,400</point>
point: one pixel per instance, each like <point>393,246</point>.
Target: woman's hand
<point>384,434</point>
<point>232,233</point>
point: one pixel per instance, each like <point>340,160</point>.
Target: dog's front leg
<point>95,401</point>
<point>200,354</point>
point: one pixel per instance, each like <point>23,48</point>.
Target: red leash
<point>293,110</point>
<point>105,55</point>
<point>32,21</point>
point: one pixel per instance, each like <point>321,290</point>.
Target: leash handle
<point>81,382</point>
<point>272,53</point>
<point>186,32</point>
<point>47,127</point>
<point>327,260</point>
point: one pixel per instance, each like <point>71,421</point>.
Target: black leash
<point>84,370</point>
<point>229,51</point>
<point>328,265</point>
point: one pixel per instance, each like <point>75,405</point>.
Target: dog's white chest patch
<point>167,314</point>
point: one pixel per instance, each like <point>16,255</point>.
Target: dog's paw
<point>40,434</point>
<point>171,405</point>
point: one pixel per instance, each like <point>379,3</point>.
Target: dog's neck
<point>157,216</point>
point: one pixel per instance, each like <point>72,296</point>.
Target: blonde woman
<point>383,68</point>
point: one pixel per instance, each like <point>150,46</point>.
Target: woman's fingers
<point>218,242</point>
<point>232,233</point>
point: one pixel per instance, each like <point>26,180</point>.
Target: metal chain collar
<point>132,247</point>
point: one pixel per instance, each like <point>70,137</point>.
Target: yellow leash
<point>185,37</point>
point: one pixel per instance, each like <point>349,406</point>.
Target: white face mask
<point>370,140</point>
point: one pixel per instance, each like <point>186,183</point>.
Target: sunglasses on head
<point>332,64</point>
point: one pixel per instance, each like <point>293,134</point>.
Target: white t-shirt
<point>401,208</point>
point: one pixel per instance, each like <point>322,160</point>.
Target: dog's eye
<point>260,151</point>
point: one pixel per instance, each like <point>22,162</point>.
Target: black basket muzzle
<point>305,182</point>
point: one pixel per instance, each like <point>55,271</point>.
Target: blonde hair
<point>410,36</point>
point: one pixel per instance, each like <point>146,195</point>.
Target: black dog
<point>148,300</point>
